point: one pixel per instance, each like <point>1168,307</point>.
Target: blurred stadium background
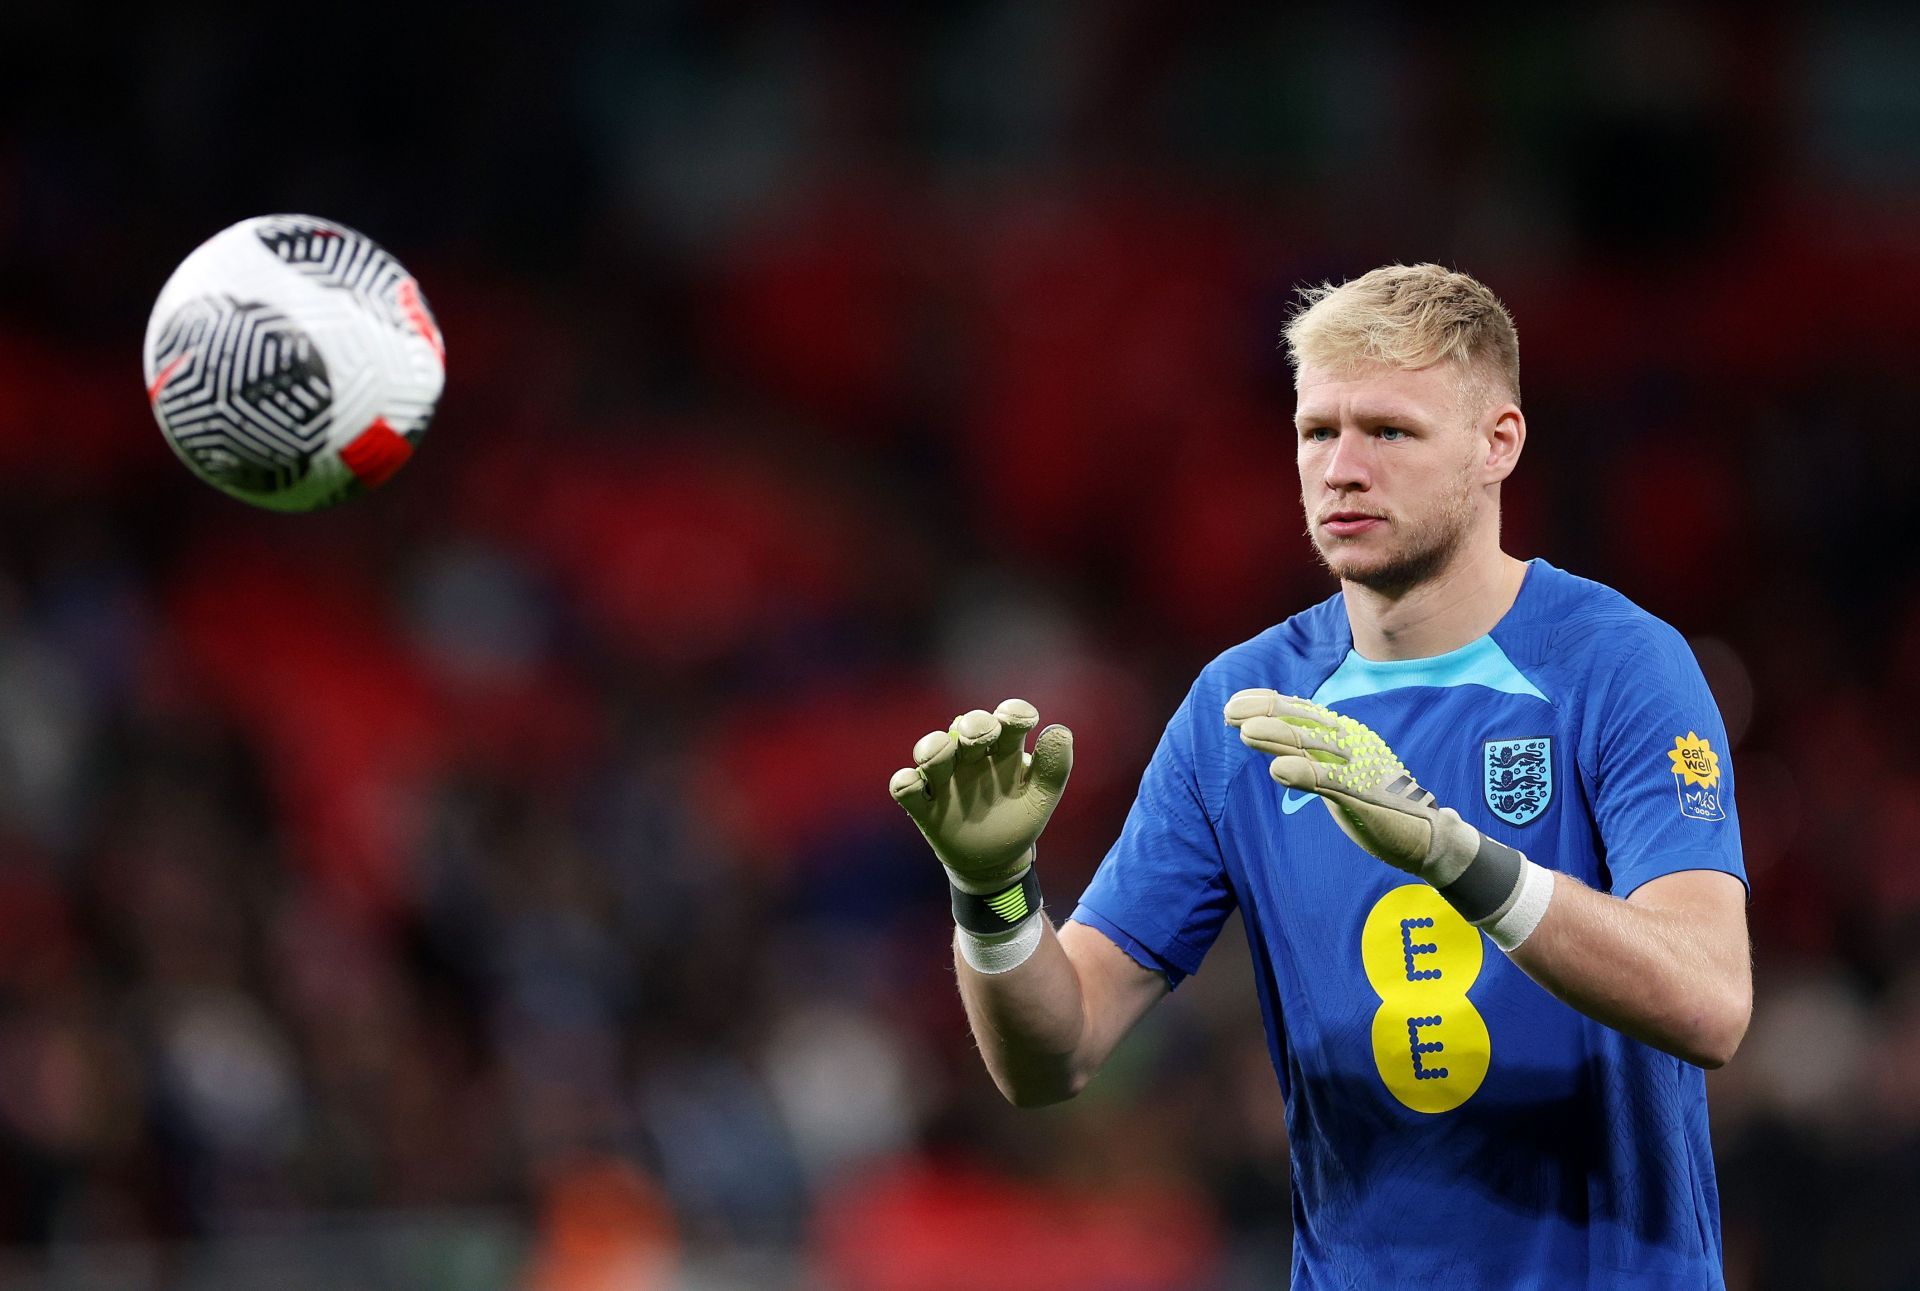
<point>491,884</point>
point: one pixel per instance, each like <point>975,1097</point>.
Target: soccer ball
<point>292,362</point>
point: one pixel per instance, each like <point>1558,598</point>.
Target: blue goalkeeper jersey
<point>1452,1124</point>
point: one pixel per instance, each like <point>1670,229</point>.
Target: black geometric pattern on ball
<point>335,257</point>
<point>247,400</point>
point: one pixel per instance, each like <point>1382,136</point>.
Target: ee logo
<point>1429,1042</point>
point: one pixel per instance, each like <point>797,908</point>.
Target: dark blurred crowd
<point>513,840</point>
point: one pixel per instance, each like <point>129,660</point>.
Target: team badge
<point>1519,778</point>
<point>1696,778</point>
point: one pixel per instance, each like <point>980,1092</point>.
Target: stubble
<point>1423,548</point>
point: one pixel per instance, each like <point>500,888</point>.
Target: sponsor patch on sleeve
<point>1696,777</point>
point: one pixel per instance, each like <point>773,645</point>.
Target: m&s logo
<point>1696,777</point>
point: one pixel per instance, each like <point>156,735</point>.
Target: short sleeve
<point>1161,894</point>
<point>1662,780</point>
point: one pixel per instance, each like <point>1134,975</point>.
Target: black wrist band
<point>998,911</point>
<point>1488,881</point>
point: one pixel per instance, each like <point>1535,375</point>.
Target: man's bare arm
<point>1045,1027</point>
<point>1046,1007</point>
<point>1670,965</point>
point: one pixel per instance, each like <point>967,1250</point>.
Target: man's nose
<point>1347,468</point>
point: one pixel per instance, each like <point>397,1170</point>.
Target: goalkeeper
<point>1477,817</point>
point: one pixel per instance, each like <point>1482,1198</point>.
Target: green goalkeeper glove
<point>1378,804</point>
<point>981,800</point>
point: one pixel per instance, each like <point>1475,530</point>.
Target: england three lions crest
<point>1518,778</point>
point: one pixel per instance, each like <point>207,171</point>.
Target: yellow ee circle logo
<point>1429,1042</point>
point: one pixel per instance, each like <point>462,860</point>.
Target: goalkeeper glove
<point>1378,804</point>
<point>981,800</point>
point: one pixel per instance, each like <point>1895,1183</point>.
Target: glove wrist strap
<point>1487,882</point>
<point>997,912</point>
<point>1521,913</point>
<point>1501,892</point>
<point>998,932</point>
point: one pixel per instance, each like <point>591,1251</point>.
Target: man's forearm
<point>1642,969</point>
<point>1046,1026</point>
<point>1029,1022</point>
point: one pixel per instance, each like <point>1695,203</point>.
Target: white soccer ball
<point>292,362</point>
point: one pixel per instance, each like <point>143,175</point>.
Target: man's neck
<point>1460,604</point>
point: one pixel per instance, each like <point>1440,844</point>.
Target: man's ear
<point>1505,434</point>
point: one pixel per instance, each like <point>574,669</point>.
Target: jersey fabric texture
<point>1452,1124</point>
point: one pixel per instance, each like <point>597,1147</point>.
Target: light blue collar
<point>1478,663</point>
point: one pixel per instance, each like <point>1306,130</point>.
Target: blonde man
<point>1505,754</point>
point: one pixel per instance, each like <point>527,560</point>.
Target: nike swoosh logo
<point>1293,800</point>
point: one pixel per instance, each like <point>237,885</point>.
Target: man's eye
<point>1318,435</point>
<point>1392,433</point>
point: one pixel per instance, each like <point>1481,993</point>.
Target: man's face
<point>1387,471</point>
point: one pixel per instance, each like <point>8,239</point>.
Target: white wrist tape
<point>1000,952</point>
<point>1515,921</point>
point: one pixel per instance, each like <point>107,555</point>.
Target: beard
<point>1423,547</point>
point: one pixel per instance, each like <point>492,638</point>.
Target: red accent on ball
<point>166,375</point>
<point>408,296</point>
<point>376,453</point>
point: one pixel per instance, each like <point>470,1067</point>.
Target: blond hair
<point>1409,316</point>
